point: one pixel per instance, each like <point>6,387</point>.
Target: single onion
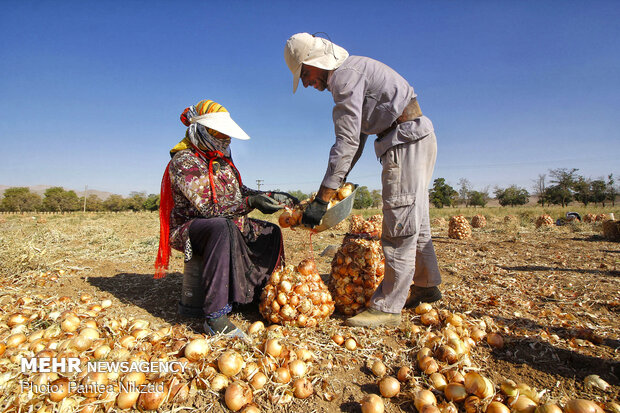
<point>304,354</point>
<point>495,340</point>
<point>430,318</point>
<point>16,319</point>
<point>136,377</point>
<point>455,392</point>
<point>338,339</point>
<point>230,363</point>
<point>423,308</point>
<point>471,404</point>
<point>273,347</point>
<point>350,344</point>
<point>344,191</point>
<point>302,388</point>
<point>94,381</point>
<point>454,376</point>
<point>237,395</point>
<point>153,399</point>
<point>371,403</point>
<point>497,407</point>
<point>251,408</point>
<point>478,385</point>
<point>404,374</point>
<point>297,368</point>
<point>477,334</point>
<point>256,327</point>
<point>219,382</point>
<point>284,219</point>
<point>423,398</point>
<point>389,387</point>
<point>127,399</point>
<point>378,368</point>
<point>582,406</point>
<point>102,351</point>
<point>87,406</point>
<point>197,349</point>
<point>307,267</point>
<point>548,408</point>
<point>428,365</point>
<point>15,340</point>
<point>521,404</point>
<point>259,380</point>
<point>282,375</point>
<point>59,389</point>
<point>429,408</point>
<point>438,380</point>
<point>423,352</point>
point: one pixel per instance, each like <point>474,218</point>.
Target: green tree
<point>135,202</point>
<point>20,199</point>
<point>540,188</point>
<point>513,195</point>
<point>442,194</point>
<point>464,191</point>
<point>583,190</point>
<point>56,199</point>
<point>299,195</point>
<point>612,190</point>
<point>377,199</point>
<point>598,189</point>
<point>363,199</point>
<point>93,203</point>
<point>152,202</point>
<point>478,198</point>
<point>564,180</point>
<point>114,203</point>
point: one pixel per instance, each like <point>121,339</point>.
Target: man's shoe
<point>422,295</point>
<point>374,318</point>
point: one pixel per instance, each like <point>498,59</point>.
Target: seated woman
<point>204,211</point>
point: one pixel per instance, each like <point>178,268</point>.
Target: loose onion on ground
<point>389,387</point>
<point>371,403</point>
<point>237,395</point>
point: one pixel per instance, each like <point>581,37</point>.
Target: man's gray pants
<point>407,245</point>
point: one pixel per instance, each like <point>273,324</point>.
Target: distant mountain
<point>40,189</point>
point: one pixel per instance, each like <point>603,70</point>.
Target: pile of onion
<point>357,270</point>
<point>291,217</point>
<point>296,296</point>
<point>459,228</point>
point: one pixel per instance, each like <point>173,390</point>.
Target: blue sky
<point>91,92</point>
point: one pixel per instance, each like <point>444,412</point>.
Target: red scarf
<point>166,204</point>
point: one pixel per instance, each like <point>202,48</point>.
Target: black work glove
<point>284,198</point>
<point>263,203</point>
<point>314,212</point>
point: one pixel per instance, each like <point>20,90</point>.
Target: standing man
<point>372,99</point>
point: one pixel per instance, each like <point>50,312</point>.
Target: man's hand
<point>314,212</point>
<point>284,198</point>
<point>263,203</point>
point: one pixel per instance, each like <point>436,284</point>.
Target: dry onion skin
<point>296,296</point>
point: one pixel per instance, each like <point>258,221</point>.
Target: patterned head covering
<point>204,138</point>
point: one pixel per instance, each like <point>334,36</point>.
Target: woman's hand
<point>284,198</point>
<point>263,203</point>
